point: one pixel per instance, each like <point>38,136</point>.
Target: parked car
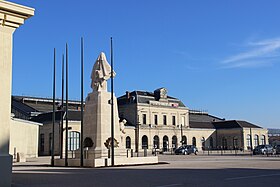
<point>277,149</point>
<point>263,150</point>
<point>186,150</point>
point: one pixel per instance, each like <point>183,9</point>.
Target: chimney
<point>127,93</point>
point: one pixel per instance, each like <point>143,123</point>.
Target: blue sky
<point>220,56</point>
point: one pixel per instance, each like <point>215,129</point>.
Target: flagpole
<point>66,128</point>
<point>82,103</point>
<point>112,106</point>
<point>53,117</point>
<point>62,109</point>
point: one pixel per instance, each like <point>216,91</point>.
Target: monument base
<point>103,162</point>
<point>5,170</point>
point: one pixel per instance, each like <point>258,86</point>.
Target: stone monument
<point>97,125</point>
<point>11,17</point>
<point>97,117</point>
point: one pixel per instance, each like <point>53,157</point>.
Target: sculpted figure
<point>122,123</point>
<point>101,72</point>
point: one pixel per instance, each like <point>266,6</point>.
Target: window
<point>128,142</point>
<point>156,142</point>
<point>248,141</point>
<point>174,142</point>
<point>235,142</point>
<point>194,141</point>
<point>42,142</point>
<point>144,118</point>
<point>211,142</point>
<point>184,140</point>
<point>50,143</point>
<point>173,120</point>
<point>156,119</point>
<point>263,140</point>
<point>144,142</point>
<point>73,140</point>
<point>165,143</point>
<point>224,143</point>
<point>256,140</point>
<point>164,120</point>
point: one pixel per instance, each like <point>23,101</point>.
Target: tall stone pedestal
<point>11,17</point>
<point>97,125</point>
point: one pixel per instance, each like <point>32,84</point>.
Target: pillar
<point>11,17</point>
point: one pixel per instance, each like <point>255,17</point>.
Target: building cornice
<point>14,15</point>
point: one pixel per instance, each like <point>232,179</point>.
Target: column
<point>11,17</point>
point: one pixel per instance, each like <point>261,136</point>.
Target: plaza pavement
<point>175,170</point>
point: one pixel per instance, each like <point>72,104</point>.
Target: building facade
<point>156,120</point>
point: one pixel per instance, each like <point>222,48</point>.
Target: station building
<point>154,120</point>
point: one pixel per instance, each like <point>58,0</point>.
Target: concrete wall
<point>24,138</point>
<point>46,131</point>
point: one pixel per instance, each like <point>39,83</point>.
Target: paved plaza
<point>174,170</point>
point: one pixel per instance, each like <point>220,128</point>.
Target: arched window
<point>184,139</point>
<point>263,140</point>
<point>165,143</point>
<point>174,142</point>
<point>156,142</point>
<point>128,142</point>
<point>224,143</point>
<point>248,141</point>
<point>144,142</point>
<point>73,140</point>
<point>211,142</point>
<point>235,143</point>
<point>203,143</point>
<point>194,141</point>
<point>256,140</point>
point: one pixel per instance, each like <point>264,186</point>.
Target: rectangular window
<point>173,120</point>
<point>50,143</point>
<point>156,120</point>
<point>164,120</point>
<point>144,116</point>
<point>42,142</point>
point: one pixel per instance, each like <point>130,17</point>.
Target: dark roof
<point>203,117</point>
<point>47,117</point>
<point>234,124</point>
<point>43,104</point>
<point>23,108</point>
<point>144,97</point>
<point>201,125</point>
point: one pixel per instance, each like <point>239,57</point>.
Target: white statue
<point>122,123</point>
<point>101,72</point>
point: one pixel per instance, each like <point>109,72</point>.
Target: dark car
<point>277,149</point>
<point>186,150</point>
<point>263,150</point>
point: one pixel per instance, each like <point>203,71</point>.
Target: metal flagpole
<point>82,103</point>
<point>112,105</point>
<point>66,128</point>
<point>53,117</point>
<point>62,110</point>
